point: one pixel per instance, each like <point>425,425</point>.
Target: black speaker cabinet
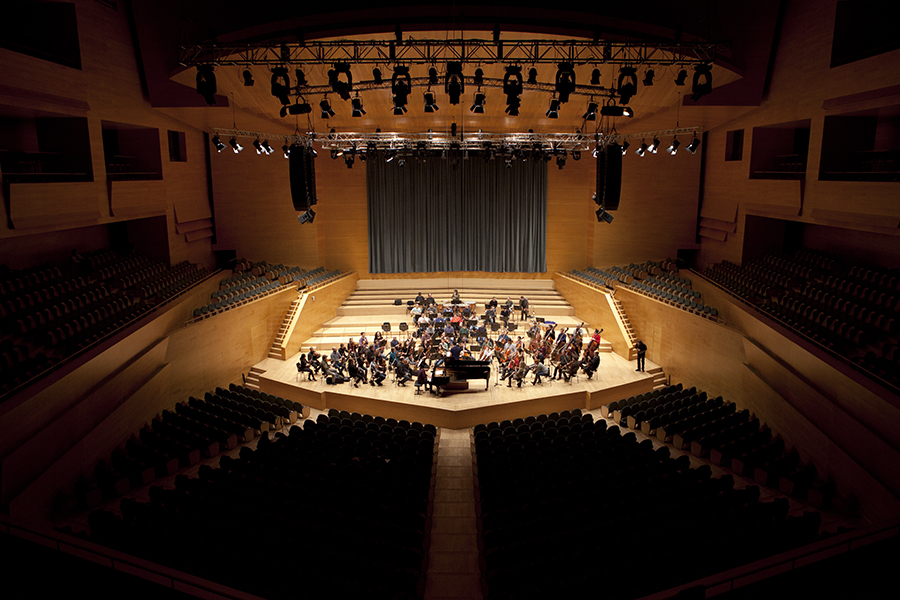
<point>609,176</point>
<point>303,177</point>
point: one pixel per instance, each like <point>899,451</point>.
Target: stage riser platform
<point>365,310</point>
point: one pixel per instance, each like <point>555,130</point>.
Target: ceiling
<point>741,66</point>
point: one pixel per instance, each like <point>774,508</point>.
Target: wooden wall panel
<point>254,214</point>
<point>593,306</point>
<point>137,199</point>
<point>658,208</point>
<point>219,349</point>
<point>342,215</point>
<point>570,213</point>
<point>801,84</point>
<point>54,205</point>
<point>316,308</point>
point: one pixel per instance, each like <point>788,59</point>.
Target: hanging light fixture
<point>673,147</point>
<point>553,111</point>
<point>357,106</point>
<point>325,107</point>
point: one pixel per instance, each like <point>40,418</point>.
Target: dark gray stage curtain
<point>479,216</point>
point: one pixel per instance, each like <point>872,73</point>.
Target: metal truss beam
<point>435,52</point>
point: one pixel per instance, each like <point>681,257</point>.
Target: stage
<point>615,379</point>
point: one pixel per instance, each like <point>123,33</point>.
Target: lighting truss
<point>434,51</point>
<point>467,141</point>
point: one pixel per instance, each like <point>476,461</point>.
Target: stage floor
<point>615,379</point>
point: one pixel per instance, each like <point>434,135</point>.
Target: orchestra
<point>451,343</point>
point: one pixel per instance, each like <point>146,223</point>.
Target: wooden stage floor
<point>615,379</point>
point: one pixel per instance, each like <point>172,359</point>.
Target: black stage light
<point>565,81</point>
<point>576,154</point>
<point>648,77</point>
<point>612,110</point>
<point>673,147</point>
<point>301,78</point>
<point>376,75</point>
<point>478,106</point>
<point>286,150</point>
<point>432,76</point>
<point>401,85</point>
<point>595,77</point>
<point>682,75</point>
<point>692,147</point>
<point>454,82</point>
<point>281,87</point>
<point>325,106</point>
<point>532,76</point>
<point>627,84</point>
<point>217,142</point>
<point>357,104</point>
<point>307,217</point>
<point>642,149</point>
<point>267,148</point>
<point>206,83</point>
<point>603,216</point>
<point>701,89</point>
<point>341,87</point>
<point>248,78</point>
<point>235,145</point>
<point>512,87</point>
<point>258,146</point>
<point>561,159</point>
<point>654,147</point>
<point>430,104</point>
<point>625,146</point>
<point>348,158</point>
<point>301,108</point>
<point>479,76</point>
<point>553,111</point>
<point>591,112</point>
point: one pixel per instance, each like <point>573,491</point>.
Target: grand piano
<point>457,371</point>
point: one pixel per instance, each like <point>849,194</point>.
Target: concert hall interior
<point>198,194</point>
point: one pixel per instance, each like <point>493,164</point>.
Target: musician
<point>641,348</point>
<point>521,369</point>
<point>456,351</point>
<point>363,340</point>
<point>504,314</point>
<point>508,304</point>
<point>511,368</point>
<point>463,332</point>
<point>420,299</point>
<point>503,338</point>
<point>571,366</point>
<point>492,303</point>
<point>357,372</point>
<point>379,372</point>
<point>591,363</point>
<point>416,313</point>
<point>422,379</point>
<point>429,301</point>
<point>540,370</point>
<point>327,369</point>
<point>313,358</point>
<point>403,372</point>
<point>304,367</point>
<point>523,306</point>
<point>487,352</point>
<point>337,360</point>
<point>449,331</point>
<point>455,298</point>
<point>481,335</point>
<point>490,314</point>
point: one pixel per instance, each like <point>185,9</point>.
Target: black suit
<point>641,348</point>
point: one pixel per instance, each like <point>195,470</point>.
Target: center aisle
<point>453,570</point>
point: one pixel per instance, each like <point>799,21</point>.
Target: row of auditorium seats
<point>554,518</point>
<point>346,497</point>
<point>713,429</point>
<point>199,429</point>
<point>49,312</point>
<point>653,279</point>
<point>849,308</point>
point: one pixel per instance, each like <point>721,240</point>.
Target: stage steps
<point>277,351</point>
<point>252,379</point>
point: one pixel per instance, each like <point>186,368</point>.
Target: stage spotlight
<point>603,216</point>
<point>507,162</point>
<point>206,83</point>
<point>390,155</point>
<point>479,76</point>
<point>625,146</point>
<point>701,89</point>
<point>612,110</point>
<point>627,84</point>
<point>430,104</point>
<point>561,159</point>
<point>682,75</point>
<point>340,87</point>
<point>595,77</point>
<point>478,106</point>
<point>673,147</point>
<point>217,142</point>
<point>336,153</point>
<point>401,85</point>
<point>532,76</point>
<point>258,146</point>
<point>376,75</point>
<point>454,82</point>
<point>348,159</point>
<point>401,161</point>
<point>267,148</point>
<point>300,108</point>
<point>307,217</point>
<point>654,146</point>
<point>287,151</point>
<point>553,111</point>
<point>591,112</point>
<point>648,77</point>
<point>325,107</point>
<point>642,149</point>
<point>248,78</point>
<point>235,145</point>
<point>565,81</point>
<point>512,87</point>
<point>281,87</point>
<point>301,78</point>
<point>692,147</point>
<point>576,154</point>
<point>357,104</point>
<point>432,76</point>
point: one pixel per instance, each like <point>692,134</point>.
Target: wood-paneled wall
<point>802,85</point>
<point>318,306</point>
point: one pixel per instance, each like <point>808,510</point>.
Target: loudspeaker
<point>609,177</point>
<point>303,177</point>
<point>602,216</point>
